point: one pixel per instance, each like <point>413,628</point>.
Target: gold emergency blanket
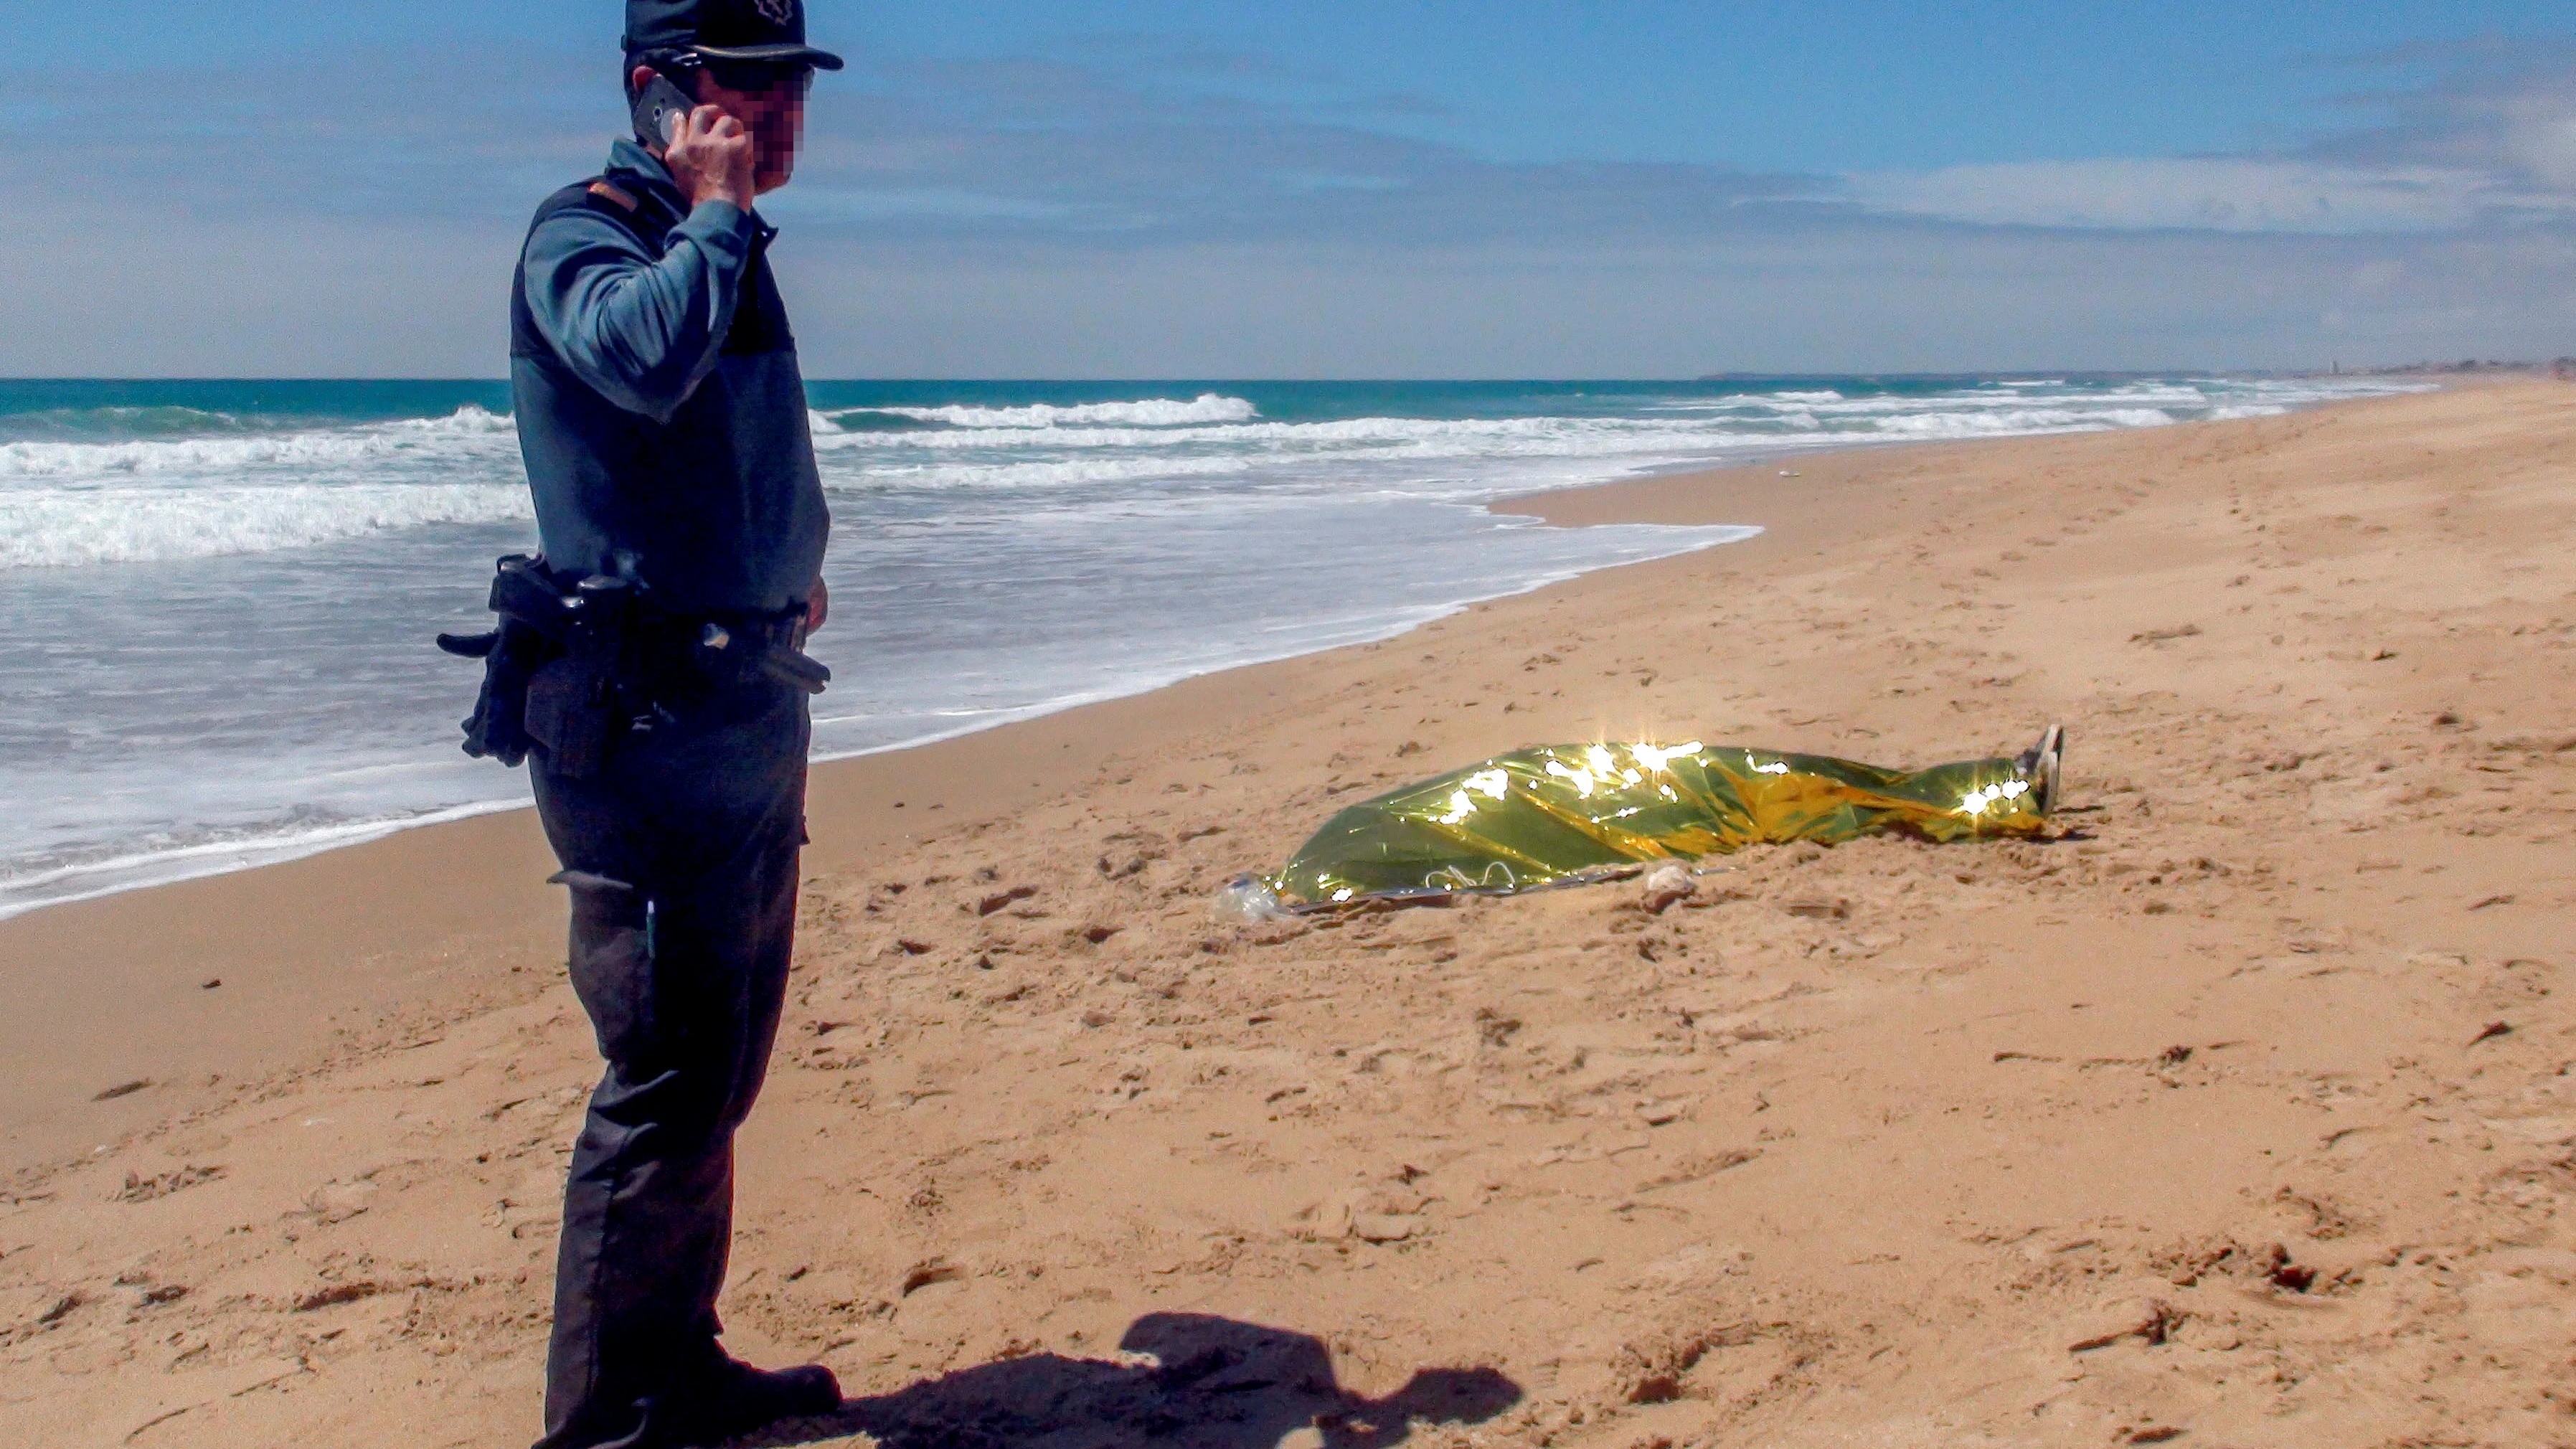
<point>1562,812</point>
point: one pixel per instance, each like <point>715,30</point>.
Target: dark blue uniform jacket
<point>659,404</point>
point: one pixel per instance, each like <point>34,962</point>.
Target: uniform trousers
<point>680,855</point>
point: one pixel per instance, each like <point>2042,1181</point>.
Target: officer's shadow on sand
<point>1212,1383</point>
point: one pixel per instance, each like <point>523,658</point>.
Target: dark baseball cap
<point>753,30</point>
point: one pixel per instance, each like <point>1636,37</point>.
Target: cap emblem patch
<point>776,12</point>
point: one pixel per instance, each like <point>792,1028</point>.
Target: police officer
<point>663,420</point>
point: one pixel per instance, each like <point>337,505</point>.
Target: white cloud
<point>2540,137</point>
<point>2225,194</point>
<point>2493,142</point>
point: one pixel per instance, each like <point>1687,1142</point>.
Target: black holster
<point>576,703</point>
<point>551,668</point>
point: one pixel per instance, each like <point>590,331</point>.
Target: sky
<point>1315,188</point>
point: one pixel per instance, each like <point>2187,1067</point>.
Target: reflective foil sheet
<point>1559,813</point>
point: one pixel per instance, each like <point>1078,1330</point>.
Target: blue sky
<point>1502,188</point>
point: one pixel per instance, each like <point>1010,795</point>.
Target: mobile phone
<point>660,109</point>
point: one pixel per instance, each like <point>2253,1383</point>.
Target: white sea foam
<point>2009,421</point>
<point>470,426</point>
<point>1073,472</point>
<point>190,455</point>
<point>467,420</point>
<point>1298,454</point>
<point>1207,407</point>
<point>149,500</point>
<point>58,529</point>
<point>1452,436</point>
<point>1569,436</point>
<point>223,491</point>
<point>223,854</point>
<point>1308,458</point>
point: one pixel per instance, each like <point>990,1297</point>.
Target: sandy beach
<point>2233,1115</point>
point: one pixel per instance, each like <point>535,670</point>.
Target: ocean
<point>216,598</point>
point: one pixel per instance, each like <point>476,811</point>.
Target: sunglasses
<point>753,77</point>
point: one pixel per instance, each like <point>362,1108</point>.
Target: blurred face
<point>769,100</point>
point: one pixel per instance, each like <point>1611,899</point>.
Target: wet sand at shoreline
<point>2235,1112</point>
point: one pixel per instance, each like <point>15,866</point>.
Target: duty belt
<point>572,668</point>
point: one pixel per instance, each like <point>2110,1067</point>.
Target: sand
<point>2234,1116</point>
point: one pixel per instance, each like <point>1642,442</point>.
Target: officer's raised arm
<point>643,329</point>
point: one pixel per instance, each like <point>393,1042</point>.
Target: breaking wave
<point>321,448</point>
<point>1207,407</point>
<point>65,504</point>
<point>2007,422</point>
<point>139,484</point>
<point>136,525</point>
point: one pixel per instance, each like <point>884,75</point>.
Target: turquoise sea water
<point>216,598</point>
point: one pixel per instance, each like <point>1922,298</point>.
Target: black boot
<point>737,1398</point>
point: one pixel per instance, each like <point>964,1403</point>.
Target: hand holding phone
<point>706,150</point>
